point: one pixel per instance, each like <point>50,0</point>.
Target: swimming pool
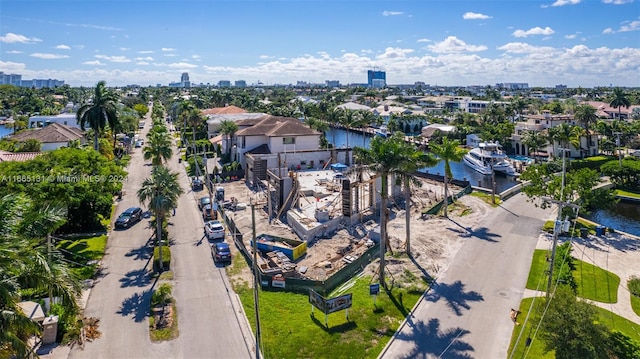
<point>521,158</point>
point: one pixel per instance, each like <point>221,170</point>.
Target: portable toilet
<point>220,194</point>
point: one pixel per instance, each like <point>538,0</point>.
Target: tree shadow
<point>138,304</point>
<point>515,214</point>
<point>617,242</point>
<point>454,295</point>
<point>425,275</point>
<point>432,342</point>
<point>141,253</point>
<point>480,233</point>
<point>135,278</point>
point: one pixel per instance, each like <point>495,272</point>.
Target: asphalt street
<point>466,313</point>
<point>210,318</point>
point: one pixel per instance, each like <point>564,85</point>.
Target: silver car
<point>214,230</point>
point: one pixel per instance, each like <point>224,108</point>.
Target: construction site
<point>311,224</point>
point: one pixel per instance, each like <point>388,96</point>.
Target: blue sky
<point>456,42</point>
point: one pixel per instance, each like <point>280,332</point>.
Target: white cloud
<point>617,2</point>
<point>454,45</point>
<point>394,53</point>
<point>11,38</point>
<point>118,59</point>
<point>391,13</point>
<point>608,31</point>
<point>570,36</point>
<point>632,26</point>
<point>63,47</point>
<point>170,55</point>
<point>423,40</point>
<point>124,49</point>
<point>182,65</point>
<point>475,16</point>
<point>14,52</point>
<point>148,58</point>
<point>196,57</point>
<point>565,2</point>
<point>168,49</point>
<point>12,67</point>
<point>524,48</point>
<point>141,63</point>
<point>533,31</point>
<point>48,56</point>
<point>146,52</point>
<point>94,63</point>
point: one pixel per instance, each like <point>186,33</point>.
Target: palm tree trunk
<point>159,221</point>
<point>95,140</point>
<point>407,213</point>
<point>383,227</point>
<point>446,197</point>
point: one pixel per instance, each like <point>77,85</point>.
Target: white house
<point>67,119</point>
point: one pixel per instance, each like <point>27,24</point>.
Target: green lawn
<point>622,192</point>
<point>536,350</point>
<point>635,304</point>
<point>594,283</point>
<point>82,250</point>
<point>289,330</point>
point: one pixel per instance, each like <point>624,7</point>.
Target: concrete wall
<point>309,232</point>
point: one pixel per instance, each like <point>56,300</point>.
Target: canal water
<point>458,169</point>
<point>4,131</point>
<point>624,217</point>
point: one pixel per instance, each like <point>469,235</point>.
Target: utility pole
<point>559,224</point>
<point>617,134</point>
<point>256,279</point>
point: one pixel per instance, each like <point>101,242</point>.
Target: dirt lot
<point>434,239</point>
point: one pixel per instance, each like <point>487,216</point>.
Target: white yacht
<point>489,155</point>
<point>381,131</point>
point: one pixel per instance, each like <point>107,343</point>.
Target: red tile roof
<point>276,126</point>
<point>52,133</point>
<point>223,110</point>
<point>18,156</point>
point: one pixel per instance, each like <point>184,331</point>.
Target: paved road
<point>466,314</point>
<point>210,318</point>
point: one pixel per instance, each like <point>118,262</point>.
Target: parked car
<point>138,144</point>
<point>203,201</point>
<point>208,214</point>
<point>214,230</point>
<point>129,217</point>
<point>636,153</point>
<point>197,184</point>
<point>221,252</point>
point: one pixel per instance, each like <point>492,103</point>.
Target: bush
<point>634,286</point>
<point>162,295</point>
<point>166,258</point>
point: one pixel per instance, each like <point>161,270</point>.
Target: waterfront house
<point>52,136</point>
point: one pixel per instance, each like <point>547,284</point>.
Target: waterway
<point>458,169</point>
<point>625,217</point>
<point>4,131</point>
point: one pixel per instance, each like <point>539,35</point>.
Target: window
<point>288,140</point>
<point>244,141</point>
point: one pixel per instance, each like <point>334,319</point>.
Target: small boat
<point>381,131</point>
<point>489,157</point>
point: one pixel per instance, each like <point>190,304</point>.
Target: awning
<point>216,139</point>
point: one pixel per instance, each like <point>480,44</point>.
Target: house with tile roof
<point>18,156</point>
<point>52,136</point>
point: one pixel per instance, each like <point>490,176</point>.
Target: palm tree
<point>99,112</point>
<point>534,140</point>
<point>160,194</point>
<point>568,135</point>
<point>158,148</point>
<point>384,156</point>
<point>618,100</point>
<point>447,151</point>
<point>24,265</point>
<point>228,129</point>
<point>414,159</point>
<point>586,115</point>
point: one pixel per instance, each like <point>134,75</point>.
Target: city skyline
<point>584,43</point>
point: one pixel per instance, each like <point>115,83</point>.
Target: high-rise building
<point>240,83</point>
<point>224,83</point>
<point>332,83</point>
<point>376,79</point>
<point>184,80</point>
<point>16,80</point>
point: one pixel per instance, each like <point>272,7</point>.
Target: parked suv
<point>129,217</point>
<point>221,252</point>
<point>197,184</point>
<point>214,230</point>
<point>208,214</point>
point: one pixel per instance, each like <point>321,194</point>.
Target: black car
<point>203,201</point>
<point>221,252</point>
<point>129,217</point>
<point>197,184</point>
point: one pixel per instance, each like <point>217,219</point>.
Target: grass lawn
<point>486,197</point>
<point>81,251</point>
<point>594,283</point>
<point>289,330</point>
<point>622,192</point>
<point>635,304</point>
<point>536,349</point>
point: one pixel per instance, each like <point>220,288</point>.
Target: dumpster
<point>600,230</point>
<point>291,248</point>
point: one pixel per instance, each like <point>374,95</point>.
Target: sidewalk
<point>617,253</point>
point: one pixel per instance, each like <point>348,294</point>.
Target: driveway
<point>466,313</point>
